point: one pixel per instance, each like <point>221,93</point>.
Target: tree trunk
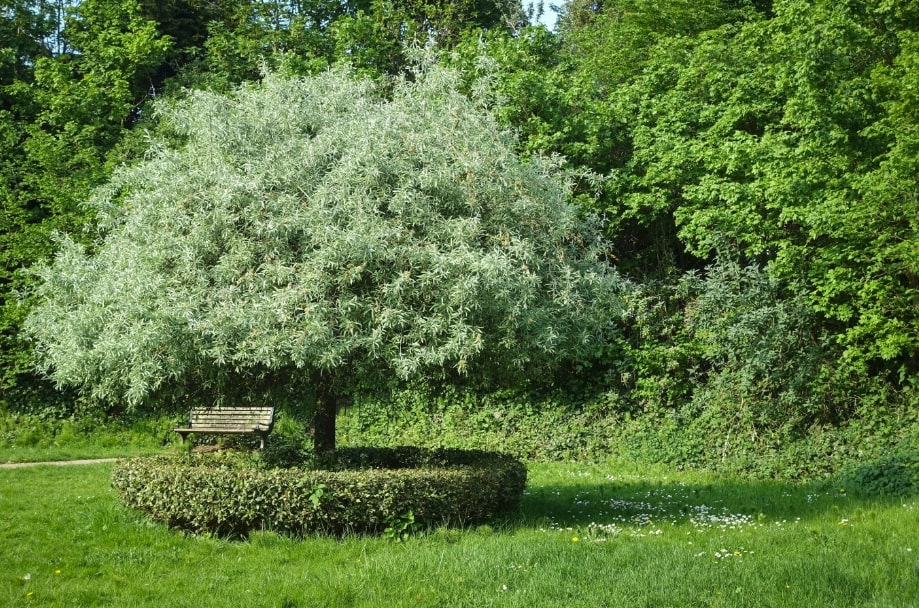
<point>324,423</point>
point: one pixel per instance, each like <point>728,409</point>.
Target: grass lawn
<point>588,535</point>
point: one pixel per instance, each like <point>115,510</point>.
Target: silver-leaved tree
<point>310,238</point>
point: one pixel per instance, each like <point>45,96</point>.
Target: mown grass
<point>587,535</point>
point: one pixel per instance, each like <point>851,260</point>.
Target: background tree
<point>571,93</point>
<point>78,77</point>
<point>373,37</point>
<point>772,137</point>
<point>22,31</point>
<point>748,132</point>
<point>315,237</point>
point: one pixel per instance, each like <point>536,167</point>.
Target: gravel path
<point>56,463</point>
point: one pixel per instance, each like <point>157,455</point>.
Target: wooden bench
<point>229,421</point>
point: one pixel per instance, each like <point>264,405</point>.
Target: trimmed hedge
<point>368,491</point>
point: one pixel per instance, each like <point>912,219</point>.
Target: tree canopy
<point>314,233</point>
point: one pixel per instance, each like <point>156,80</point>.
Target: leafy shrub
<point>760,343</point>
<point>731,339</point>
<point>708,431</point>
<point>894,475</point>
<point>369,491</point>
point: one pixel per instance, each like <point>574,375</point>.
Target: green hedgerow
<point>361,491</point>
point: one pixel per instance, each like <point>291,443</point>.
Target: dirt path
<point>56,463</point>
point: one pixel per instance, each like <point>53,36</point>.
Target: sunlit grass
<point>597,535</point>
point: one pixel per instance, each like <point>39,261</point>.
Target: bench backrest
<point>232,418</point>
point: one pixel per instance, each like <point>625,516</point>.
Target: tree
<point>243,36</point>
<point>608,48</point>
<point>314,236</point>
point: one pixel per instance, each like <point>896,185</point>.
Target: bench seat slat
<point>216,422</point>
<point>216,431</point>
<point>230,414</point>
<point>241,427</point>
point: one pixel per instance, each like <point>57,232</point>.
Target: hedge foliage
<point>363,491</point>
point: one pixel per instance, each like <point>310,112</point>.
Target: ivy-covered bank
<point>875,451</point>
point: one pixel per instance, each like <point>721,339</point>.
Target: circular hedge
<point>360,490</point>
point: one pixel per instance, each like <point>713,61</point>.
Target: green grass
<point>597,535</point>
<point>25,438</point>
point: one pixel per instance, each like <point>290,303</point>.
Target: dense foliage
<point>775,138</point>
<point>370,491</point>
<point>69,88</point>
<point>759,164</point>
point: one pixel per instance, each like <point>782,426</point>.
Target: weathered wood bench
<point>229,421</point>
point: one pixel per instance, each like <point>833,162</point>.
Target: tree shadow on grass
<point>633,501</point>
